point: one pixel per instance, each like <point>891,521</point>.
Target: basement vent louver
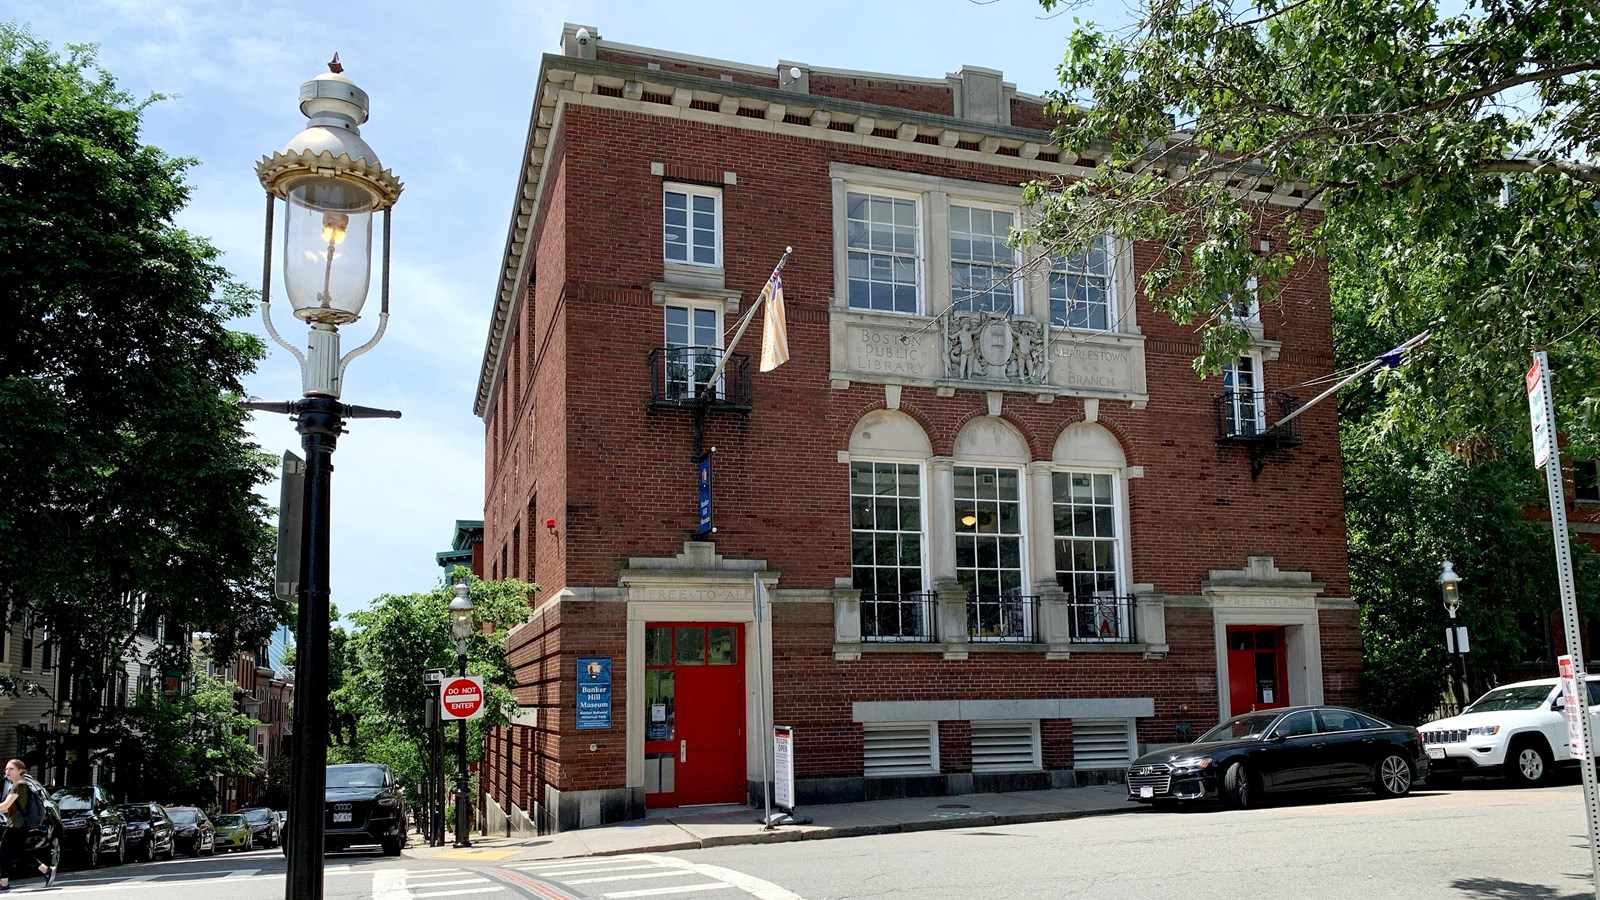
<point>1005,746</point>
<point>898,749</point>
<point>1102,743</point>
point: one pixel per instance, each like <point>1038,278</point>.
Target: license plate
<point>1436,753</point>
<point>1147,792</point>
<point>341,817</point>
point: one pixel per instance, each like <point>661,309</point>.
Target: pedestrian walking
<point>14,840</point>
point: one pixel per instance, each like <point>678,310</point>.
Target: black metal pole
<point>320,421</point>
<point>463,789</point>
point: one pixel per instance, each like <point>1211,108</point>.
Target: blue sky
<point>451,88</point>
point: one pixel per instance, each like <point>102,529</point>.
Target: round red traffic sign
<point>463,698</point>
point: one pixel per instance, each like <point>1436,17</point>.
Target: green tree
<point>174,747</point>
<point>126,473</point>
<point>398,638</point>
<point>1449,155</point>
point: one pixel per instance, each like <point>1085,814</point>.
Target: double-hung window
<point>989,553</point>
<point>692,225</point>
<point>983,270</point>
<point>1244,410</point>
<point>1081,294</point>
<point>1084,510</point>
<point>886,551</point>
<point>883,243</point>
<point>693,349</point>
<point>1246,307</point>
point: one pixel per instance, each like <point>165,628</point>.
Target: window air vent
<point>1005,747</point>
<point>1102,743</point>
<point>898,749</point>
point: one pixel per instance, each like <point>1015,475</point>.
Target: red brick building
<point>1009,536</point>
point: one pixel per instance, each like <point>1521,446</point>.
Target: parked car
<point>44,841</point>
<point>233,833</point>
<point>263,825</point>
<point>193,832</point>
<point>364,804</point>
<point>91,825</point>
<point>1516,730</point>
<point>1282,750</point>
<point>148,831</point>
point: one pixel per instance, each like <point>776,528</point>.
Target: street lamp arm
<point>383,324</point>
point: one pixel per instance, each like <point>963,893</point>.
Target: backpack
<point>33,815</point>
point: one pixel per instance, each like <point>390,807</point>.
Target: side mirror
<point>99,805</point>
<point>1277,737</point>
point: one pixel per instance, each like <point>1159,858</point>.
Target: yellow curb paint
<point>477,854</point>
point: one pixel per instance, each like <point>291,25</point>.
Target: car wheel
<point>250,844</point>
<point>1394,776</point>
<point>149,851</point>
<point>391,846</point>
<point>91,855</point>
<point>1237,792</point>
<point>1528,762</point>
<point>122,853</point>
<point>53,855</point>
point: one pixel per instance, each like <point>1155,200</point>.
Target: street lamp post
<point>332,186</point>
<point>58,724</point>
<point>461,627</point>
<point>1449,583</point>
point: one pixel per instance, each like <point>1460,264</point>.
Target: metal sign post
<point>1547,453</point>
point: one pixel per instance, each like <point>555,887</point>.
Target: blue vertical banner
<point>703,464</point>
<point>594,692</point>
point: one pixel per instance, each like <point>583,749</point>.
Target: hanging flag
<point>774,328</point>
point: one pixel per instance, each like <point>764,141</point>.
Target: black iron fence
<point>1102,619</point>
<point>1248,415</point>
<point>1007,617</point>
<point>903,618</point>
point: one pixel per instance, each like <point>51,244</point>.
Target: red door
<point>694,714</point>
<point>1258,668</point>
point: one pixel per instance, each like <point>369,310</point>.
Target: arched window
<point>888,527</point>
<point>991,458</point>
<point>1088,509</point>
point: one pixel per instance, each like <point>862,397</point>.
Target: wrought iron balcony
<point>1010,617</point>
<point>680,376</point>
<point>899,618</point>
<point>1105,619</point>
<point>1253,417</point>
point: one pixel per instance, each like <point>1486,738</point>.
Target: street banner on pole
<point>1539,410</point>
<point>1574,707</point>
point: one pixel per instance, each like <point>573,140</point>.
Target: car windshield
<point>1527,696</point>
<point>136,813</point>
<point>182,816</point>
<point>230,821</point>
<point>254,816</point>
<point>1250,726</point>
<point>72,801</point>
<point>355,777</point>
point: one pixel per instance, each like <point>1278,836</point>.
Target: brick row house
<point>1010,537</point>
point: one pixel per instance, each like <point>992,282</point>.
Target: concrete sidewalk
<point>689,829</point>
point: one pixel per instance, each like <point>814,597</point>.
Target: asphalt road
<point>1483,842</point>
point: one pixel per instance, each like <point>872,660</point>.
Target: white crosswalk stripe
<point>680,889</point>
<point>597,871</point>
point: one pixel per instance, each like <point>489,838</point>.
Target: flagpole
<point>744,323</point>
<point>763,741</point>
<point>1373,364</point>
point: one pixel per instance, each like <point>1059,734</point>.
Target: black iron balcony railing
<point>1248,416</point>
<point>903,618</point>
<point>1010,617</point>
<point>679,376</point>
<point>1102,619</point>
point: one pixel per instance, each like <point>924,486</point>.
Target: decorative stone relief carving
<point>995,346</point>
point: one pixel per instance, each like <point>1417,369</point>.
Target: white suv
<point>1517,730</point>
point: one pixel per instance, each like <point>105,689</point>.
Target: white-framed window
<point>983,269</point>
<point>1246,307</point>
<point>692,225</point>
<point>899,748</point>
<point>1005,746</point>
<point>990,543</point>
<point>1088,545</point>
<point>886,550</point>
<point>1244,402</point>
<point>1082,288</point>
<point>1586,480</point>
<point>883,244</point>
<point>692,348</point>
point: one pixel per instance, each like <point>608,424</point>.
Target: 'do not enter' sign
<point>461,697</point>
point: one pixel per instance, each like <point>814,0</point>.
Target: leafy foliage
<point>173,747</point>
<point>398,638</point>
<point>126,473</point>
<point>1450,154</point>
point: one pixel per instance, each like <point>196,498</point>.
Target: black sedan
<point>147,831</point>
<point>1279,751</point>
<point>192,831</point>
